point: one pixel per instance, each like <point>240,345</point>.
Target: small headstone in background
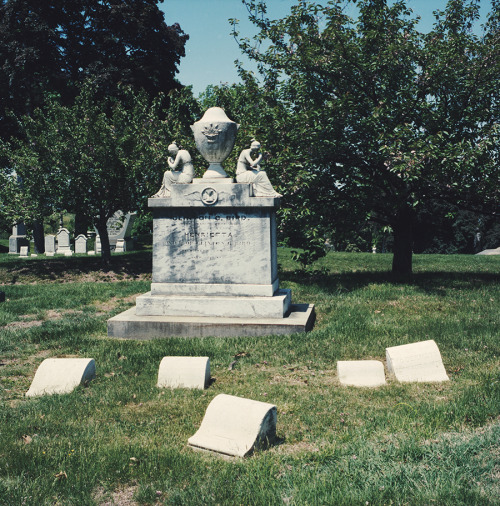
<point>416,362</point>
<point>184,372</point>
<point>120,246</point>
<point>120,229</point>
<point>61,375</point>
<point>24,251</point>
<point>91,252</point>
<point>235,426</point>
<point>97,246</point>
<point>63,242</point>
<point>50,244</point>
<point>361,373</point>
<point>17,239</point>
<point>34,254</point>
<point>81,244</point>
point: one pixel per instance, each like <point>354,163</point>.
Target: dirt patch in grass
<point>121,497</point>
<point>23,324</point>
<point>298,448</point>
<point>106,307</point>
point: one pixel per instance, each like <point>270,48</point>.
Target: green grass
<point>123,439</point>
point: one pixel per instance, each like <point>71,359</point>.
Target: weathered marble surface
<point>232,307</point>
<point>214,135</point>
<point>184,372</point>
<point>128,325</point>
<point>215,269</point>
<point>61,375</point>
<point>419,362</point>
<point>235,426</point>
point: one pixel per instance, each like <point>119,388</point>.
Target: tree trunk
<point>38,237</point>
<point>102,228</point>
<point>403,241</point>
<point>82,224</point>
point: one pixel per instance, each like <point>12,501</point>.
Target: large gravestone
<point>18,239</point>
<point>215,269</point>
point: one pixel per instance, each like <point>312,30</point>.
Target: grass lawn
<point>121,440</point>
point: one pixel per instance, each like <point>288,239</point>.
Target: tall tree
<point>98,155</point>
<point>380,112</point>
<point>52,47</point>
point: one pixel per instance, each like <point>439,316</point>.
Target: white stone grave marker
<point>235,426</point>
<point>120,246</point>
<point>24,251</point>
<point>61,375</point>
<point>50,244</point>
<point>63,242</point>
<point>361,373</point>
<point>416,362</point>
<point>81,244</point>
<point>184,372</point>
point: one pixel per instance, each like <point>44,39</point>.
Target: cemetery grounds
<point>121,440</point>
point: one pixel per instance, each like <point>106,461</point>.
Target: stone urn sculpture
<point>214,135</point>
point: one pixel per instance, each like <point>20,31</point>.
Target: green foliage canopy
<point>377,116</point>
<point>52,47</point>
<point>97,156</point>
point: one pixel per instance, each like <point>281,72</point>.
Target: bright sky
<point>211,50</point>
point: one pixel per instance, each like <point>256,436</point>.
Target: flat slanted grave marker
<point>416,362</point>
<point>184,372</point>
<point>235,426</point>
<point>61,375</point>
<point>24,251</point>
<point>361,373</point>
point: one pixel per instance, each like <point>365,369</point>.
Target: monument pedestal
<point>215,269</point>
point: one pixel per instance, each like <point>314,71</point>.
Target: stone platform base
<point>128,325</point>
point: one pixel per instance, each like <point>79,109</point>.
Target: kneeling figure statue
<point>182,170</point>
<point>248,171</point>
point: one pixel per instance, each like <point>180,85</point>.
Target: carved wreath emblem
<point>211,132</point>
<point>209,196</point>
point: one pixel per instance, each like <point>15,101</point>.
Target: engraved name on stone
<point>224,235</point>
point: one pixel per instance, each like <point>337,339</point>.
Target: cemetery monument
<point>18,239</point>
<point>215,268</point>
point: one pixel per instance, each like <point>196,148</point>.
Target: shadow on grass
<point>134,264</point>
<point>433,282</point>
<point>139,264</point>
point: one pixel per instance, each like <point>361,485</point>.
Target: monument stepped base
<point>128,325</point>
